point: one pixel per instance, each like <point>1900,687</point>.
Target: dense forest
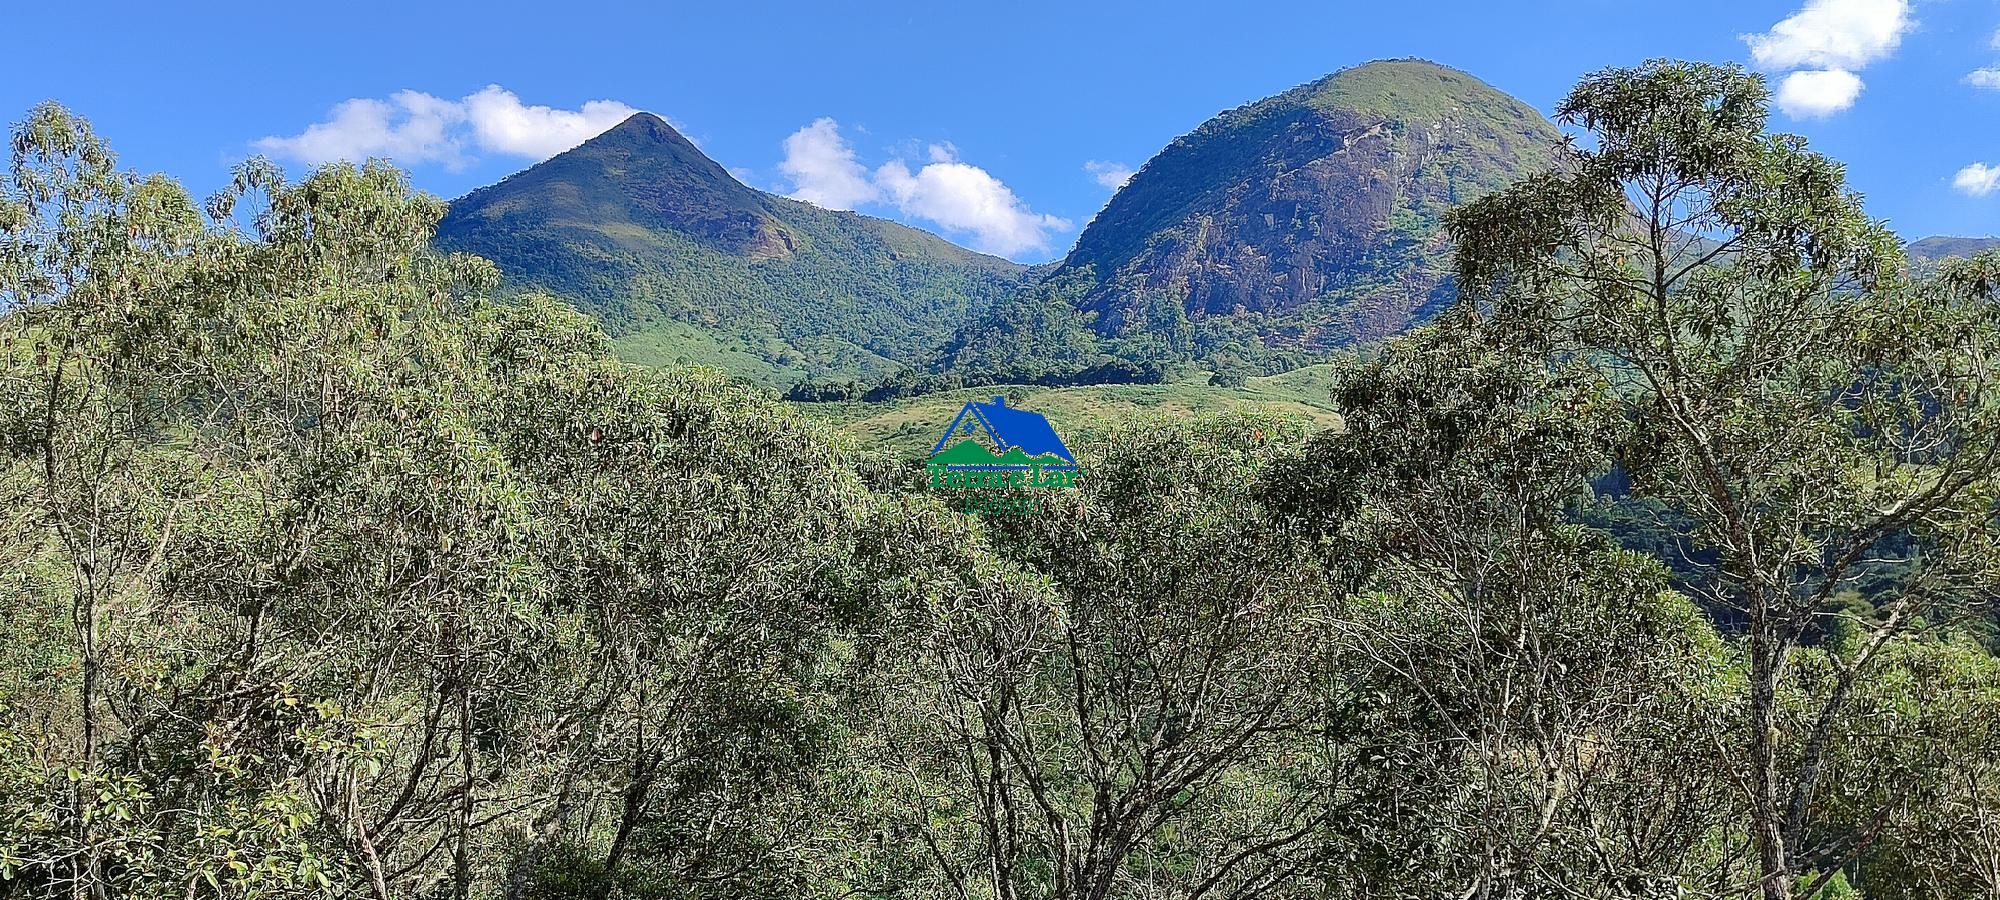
<point>324,573</point>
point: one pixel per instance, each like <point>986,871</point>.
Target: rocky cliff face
<point>1312,217</point>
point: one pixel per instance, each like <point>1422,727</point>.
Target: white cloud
<point>1833,34</point>
<point>946,191</point>
<point>1828,41</point>
<point>1988,78</point>
<point>1977,180</point>
<point>503,124</point>
<point>414,128</point>
<point>1816,94</point>
<point>409,127</point>
<point>966,198</point>
<point>823,168</point>
<point>1109,174</point>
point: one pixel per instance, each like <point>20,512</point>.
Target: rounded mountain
<point>1311,219</point>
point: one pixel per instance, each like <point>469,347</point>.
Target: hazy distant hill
<point>683,262</point>
<point>1937,247</point>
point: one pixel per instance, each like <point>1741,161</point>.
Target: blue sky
<point>999,125</point>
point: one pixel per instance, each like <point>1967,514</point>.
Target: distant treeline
<point>911,383</point>
<point>1040,336</point>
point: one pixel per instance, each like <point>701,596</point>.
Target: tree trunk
<point>462,848</point>
<point>1767,816</point>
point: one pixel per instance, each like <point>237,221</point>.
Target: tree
<point>141,396</point>
<point>1917,741</point>
<point>693,536</point>
<point>1538,694</point>
<point>1792,389</point>
<point>331,577</point>
<point>1143,705</point>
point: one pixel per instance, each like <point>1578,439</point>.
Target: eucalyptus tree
<point>113,380</point>
<point>247,434</point>
<point>1791,388</point>
<point>1126,695</point>
<point>694,538</point>
<point>1538,707</point>
<point>337,578</point>
<point>1914,763</point>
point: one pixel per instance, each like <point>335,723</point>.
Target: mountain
<point>682,262</point>
<point>1308,220</point>
<point>1934,248</point>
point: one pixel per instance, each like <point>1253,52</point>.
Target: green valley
<point>907,428</point>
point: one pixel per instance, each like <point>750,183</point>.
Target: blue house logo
<point>993,445</point>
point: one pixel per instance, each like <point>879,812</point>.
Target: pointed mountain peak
<point>641,174</point>
<point>645,148</point>
<point>642,228</point>
<point>643,127</point>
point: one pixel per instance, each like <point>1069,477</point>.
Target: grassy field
<point>912,426</point>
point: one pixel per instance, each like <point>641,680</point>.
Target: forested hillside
<point>682,263</point>
<point>1310,219</point>
<point>332,569</point>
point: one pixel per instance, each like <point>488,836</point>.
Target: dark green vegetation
<point>1035,336</point>
<point>329,575</point>
<point>682,263</point>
